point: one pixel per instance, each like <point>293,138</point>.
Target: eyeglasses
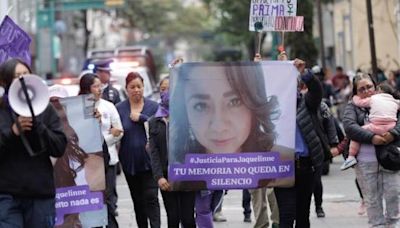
<point>365,88</point>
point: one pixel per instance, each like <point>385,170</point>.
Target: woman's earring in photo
<point>261,127</point>
<point>191,135</point>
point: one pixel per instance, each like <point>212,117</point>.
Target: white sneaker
<point>219,217</point>
<point>350,162</point>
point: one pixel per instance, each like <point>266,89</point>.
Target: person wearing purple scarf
<point>163,108</point>
<point>179,205</point>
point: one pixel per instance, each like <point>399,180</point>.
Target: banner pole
<point>9,10</point>
<point>258,42</point>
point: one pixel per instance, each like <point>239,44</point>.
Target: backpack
<point>389,155</point>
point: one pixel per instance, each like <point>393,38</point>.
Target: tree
<point>232,28</point>
<point>164,23</point>
<point>168,19</point>
<point>301,44</point>
<point>233,25</point>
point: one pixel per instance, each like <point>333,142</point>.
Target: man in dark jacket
<point>103,70</point>
<point>294,202</point>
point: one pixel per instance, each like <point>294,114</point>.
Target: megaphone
<point>37,91</point>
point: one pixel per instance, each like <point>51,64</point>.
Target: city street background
<point>341,203</point>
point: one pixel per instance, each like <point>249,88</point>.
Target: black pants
<point>246,199</point>
<point>294,203</point>
<point>111,197</point>
<point>359,189</point>
<point>318,188</point>
<point>180,208</point>
<point>217,200</point>
<point>144,193</point>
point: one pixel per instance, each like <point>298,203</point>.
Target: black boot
<point>320,212</point>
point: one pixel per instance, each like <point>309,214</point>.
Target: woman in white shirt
<point>112,131</point>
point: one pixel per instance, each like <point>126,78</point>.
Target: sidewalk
<point>341,202</point>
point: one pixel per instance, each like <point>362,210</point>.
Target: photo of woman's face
<point>217,115</point>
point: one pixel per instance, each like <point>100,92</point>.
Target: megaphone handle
<point>24,139</point>
<point>28,100</point>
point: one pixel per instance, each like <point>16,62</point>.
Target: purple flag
<point>14,42</point>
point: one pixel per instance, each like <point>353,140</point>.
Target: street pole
<point>38,61</point>
<point>3,9</point>
<point>372,39</point>
<point>52,34</point>
<point>398,28</point>
<point>321,35</point>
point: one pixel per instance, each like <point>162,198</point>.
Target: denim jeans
<point>204,215</point>
<point>379,184</point>
<point>23,212</point>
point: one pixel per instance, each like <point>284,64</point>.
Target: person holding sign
<point>179,205</point>
<point>27,191</point>
<point>112,131</point>
<point>224,109</point>
<point>67,167</point>
<point>262,197</point>
<point>294,202</point>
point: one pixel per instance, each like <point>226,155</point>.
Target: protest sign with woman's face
<point>221,108</point>
<point>225,129</point>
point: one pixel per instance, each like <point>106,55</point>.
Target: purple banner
<point>76,199</point>
<point>231,171</point>
<point>14,42</point>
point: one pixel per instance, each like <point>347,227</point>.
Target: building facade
<point>351,37</point>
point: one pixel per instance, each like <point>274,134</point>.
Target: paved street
<point>341,203</point>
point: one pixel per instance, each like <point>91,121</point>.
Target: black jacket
<point>308,108</point>
<point>20,174</point>
<point>158,147</point>
<point>111,94</point>
<point>328,123</point>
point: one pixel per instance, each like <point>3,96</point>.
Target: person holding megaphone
<point>27,191</point>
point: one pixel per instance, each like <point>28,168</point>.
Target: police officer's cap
<point>103,64</point>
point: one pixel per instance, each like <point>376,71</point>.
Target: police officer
<point>103,70</point>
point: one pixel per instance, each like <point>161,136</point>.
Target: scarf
<point>163,108</point>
